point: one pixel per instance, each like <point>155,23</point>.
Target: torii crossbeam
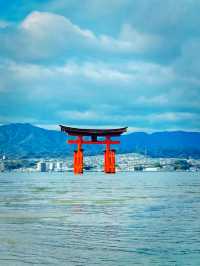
<point>80,133</point>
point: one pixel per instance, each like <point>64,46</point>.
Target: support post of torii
<point>78,157</point>
<point>109,154</point>
<point>109,157</point>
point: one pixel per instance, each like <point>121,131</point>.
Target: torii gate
<point>109,154</point>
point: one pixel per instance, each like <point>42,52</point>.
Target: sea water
<point>96,219</point>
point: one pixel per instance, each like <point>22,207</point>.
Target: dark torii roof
<point>72,131</point>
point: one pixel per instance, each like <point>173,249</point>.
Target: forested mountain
<point>26,140</point>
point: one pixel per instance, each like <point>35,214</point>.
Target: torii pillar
<point>109,154</point>
<point>78,157</point>
<point>109,157</point>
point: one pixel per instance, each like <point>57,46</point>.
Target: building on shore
<point>41,167</point>
<point>59,166</point>
<point>2,166</point>
<point>51,166</point>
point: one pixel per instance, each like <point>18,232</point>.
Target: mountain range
<point>27,141</point>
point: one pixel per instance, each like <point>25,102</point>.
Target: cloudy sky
<point>100,63</point>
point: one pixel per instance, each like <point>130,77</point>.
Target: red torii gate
<point>109,154</point>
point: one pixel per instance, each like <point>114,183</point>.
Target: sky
<point>100,63</point>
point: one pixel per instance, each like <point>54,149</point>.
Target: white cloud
<point>132,85</point>
<point>173,117</point>
<point>140,41</point>
<point>43,24</point>
<point>159,100</point>
<point>123,61</point>
<point>84,116</point>
<point>45,36</point>
<point>131,76</point>
<point>188,63</point>
<point>131,119</point>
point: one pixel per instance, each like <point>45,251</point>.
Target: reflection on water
<point>97,219</point>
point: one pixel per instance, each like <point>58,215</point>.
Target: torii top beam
<point>72,131</point>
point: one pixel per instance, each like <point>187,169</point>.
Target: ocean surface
<point>96,219</point>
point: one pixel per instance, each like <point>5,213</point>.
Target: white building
<point>151,169</point>
<point>51,166</point>
<point>59,166</point>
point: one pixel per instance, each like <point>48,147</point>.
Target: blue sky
<point>99,63</point>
